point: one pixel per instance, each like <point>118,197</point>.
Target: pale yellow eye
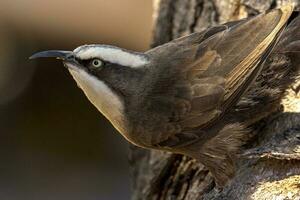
<point>97,63</point>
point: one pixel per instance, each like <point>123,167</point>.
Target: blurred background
<point>53,143</point>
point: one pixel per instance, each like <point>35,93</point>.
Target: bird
<point>176,97</point>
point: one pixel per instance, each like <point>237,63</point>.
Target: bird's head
<point>106,74</point>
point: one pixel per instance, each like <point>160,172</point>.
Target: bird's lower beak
<point>62,55</point>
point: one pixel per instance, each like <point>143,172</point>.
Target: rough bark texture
<point>270,167</point>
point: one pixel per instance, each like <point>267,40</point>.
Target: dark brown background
<point>53,142</point>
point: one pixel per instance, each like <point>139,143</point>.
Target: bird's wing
<point>279,72</point>
<point>209,73</point>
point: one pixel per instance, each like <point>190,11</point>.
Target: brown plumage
<point>202,77</point>
<point>195,95</point>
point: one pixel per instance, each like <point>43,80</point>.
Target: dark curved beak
<point>62,55</point>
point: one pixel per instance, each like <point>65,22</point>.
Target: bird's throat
<point>102,97</point>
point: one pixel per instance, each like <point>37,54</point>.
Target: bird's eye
<point>97,63</point>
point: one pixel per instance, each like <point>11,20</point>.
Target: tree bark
<point>270,168</point>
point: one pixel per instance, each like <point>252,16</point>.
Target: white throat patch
<point>111,54</point>
<point>101,96</point>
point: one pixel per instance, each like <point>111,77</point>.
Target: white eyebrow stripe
<point>111,54</point>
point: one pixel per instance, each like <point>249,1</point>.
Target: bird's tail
<point>219,153</point>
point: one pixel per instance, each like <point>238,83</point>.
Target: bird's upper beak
<point>67,57</point>
<point>62,55</point>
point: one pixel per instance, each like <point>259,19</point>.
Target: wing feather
<point>214,68</point>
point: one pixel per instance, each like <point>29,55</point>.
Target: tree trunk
<point>273,169</point>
